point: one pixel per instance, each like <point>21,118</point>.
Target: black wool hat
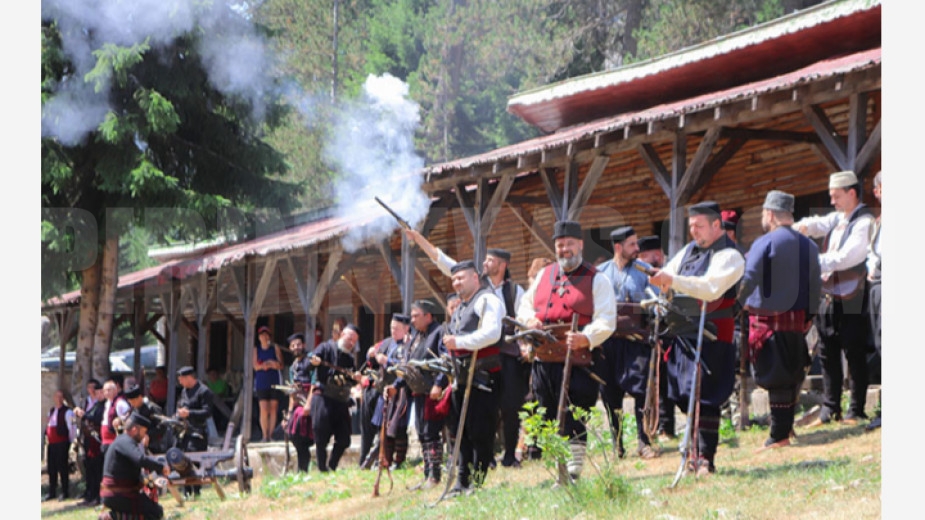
<point>140,420</point>
<point>351,326</point>
<point>401,318</point>
<point>460,266</point>
<point>707,208</point>
<point>497,252</point>
<point>425,306</point>
<point>621,233</point>
<point>132,392</point>
<point>567,228</point>
<point>186,371</point>
<point>293,337</point>
<point>650,243</point>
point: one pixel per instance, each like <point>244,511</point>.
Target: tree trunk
<point>89,306</point>
<point>108,283</point>
<point>633,20</point>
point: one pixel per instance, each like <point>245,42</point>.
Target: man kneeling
<point>122,483</point>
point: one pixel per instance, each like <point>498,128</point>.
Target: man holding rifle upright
<point>473,339</point>
<point>515,370</point>
<point>706,269</point>
<point>565,288</point>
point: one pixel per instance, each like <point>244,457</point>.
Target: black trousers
<point>478,432</point>
<point>141,506</point>
<point>302,444</point>
<point>843,327</point>
<point>330,418</point>
<point>514,383</point>
<point>368,430</point>
<point>191,443</point>
<point>93,476</point>
<point>57,468</point>
<point>873,311</point>
<point>582,392</point>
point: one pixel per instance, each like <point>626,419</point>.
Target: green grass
<point>831,472</point>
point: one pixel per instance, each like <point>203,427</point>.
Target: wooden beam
<point>467,204</point>
<point>434,289</point>
<point>587,186</point>
<point>694,174</point>
<point>501,190</point>
<point>834,144</point>
<point>857,130</point>
<point>870,148</point>
<point>544,239</point>
<point>325,280</point>
<point>659,172</point>
<point>556,200</point>
<point>385,249</point>
<point>350,280</point>
<point>769,135</point>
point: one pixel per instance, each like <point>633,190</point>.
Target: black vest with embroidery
<point>466,320</point>
<point>695,262</point>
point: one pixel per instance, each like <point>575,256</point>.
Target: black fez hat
<point>293,337</point>
<point>650,243</point>
<point>132,392</point>
<point>426,306</point>
<point>351,326</point>
<point>186,371</point>
<point>140,420</point>
<point>707,208</point>
<point>465,264</point>
<point>622,233</point>
<point>497,252</point>
<point>567,228</point>
<point>401,318</point>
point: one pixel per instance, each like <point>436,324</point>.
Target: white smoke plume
<point>235,55</point>
<point>373,148</point>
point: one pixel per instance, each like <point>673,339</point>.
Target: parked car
<point>121,361</point>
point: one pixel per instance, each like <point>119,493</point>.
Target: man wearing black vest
<point>515,371</point>
<point>706,269</point>
<point>426,344</point>
<point>194,405</point>
<point>474,332</point>
<point>567,287</point>
<point>60,433</point>
<point>396,429</point>
<point>334,376</point>
<point>842,322</point>
<point>299,424</point>
<point>780,291</point>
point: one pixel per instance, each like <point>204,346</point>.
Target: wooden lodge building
<point>777,106</point>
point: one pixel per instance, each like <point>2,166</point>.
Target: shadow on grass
<point>767,472</point>
<point>826,436</point>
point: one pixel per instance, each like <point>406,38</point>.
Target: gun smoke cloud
<point>373,148</point>
<point>236,57</point>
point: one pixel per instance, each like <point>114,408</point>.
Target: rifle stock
<point>383,463</point>
<point>564,477</point>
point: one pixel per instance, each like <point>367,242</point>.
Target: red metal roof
<point>772,49</point>
<point>822,69</point>
<point>287,240</point>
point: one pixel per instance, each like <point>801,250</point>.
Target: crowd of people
<point>596,319</point>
